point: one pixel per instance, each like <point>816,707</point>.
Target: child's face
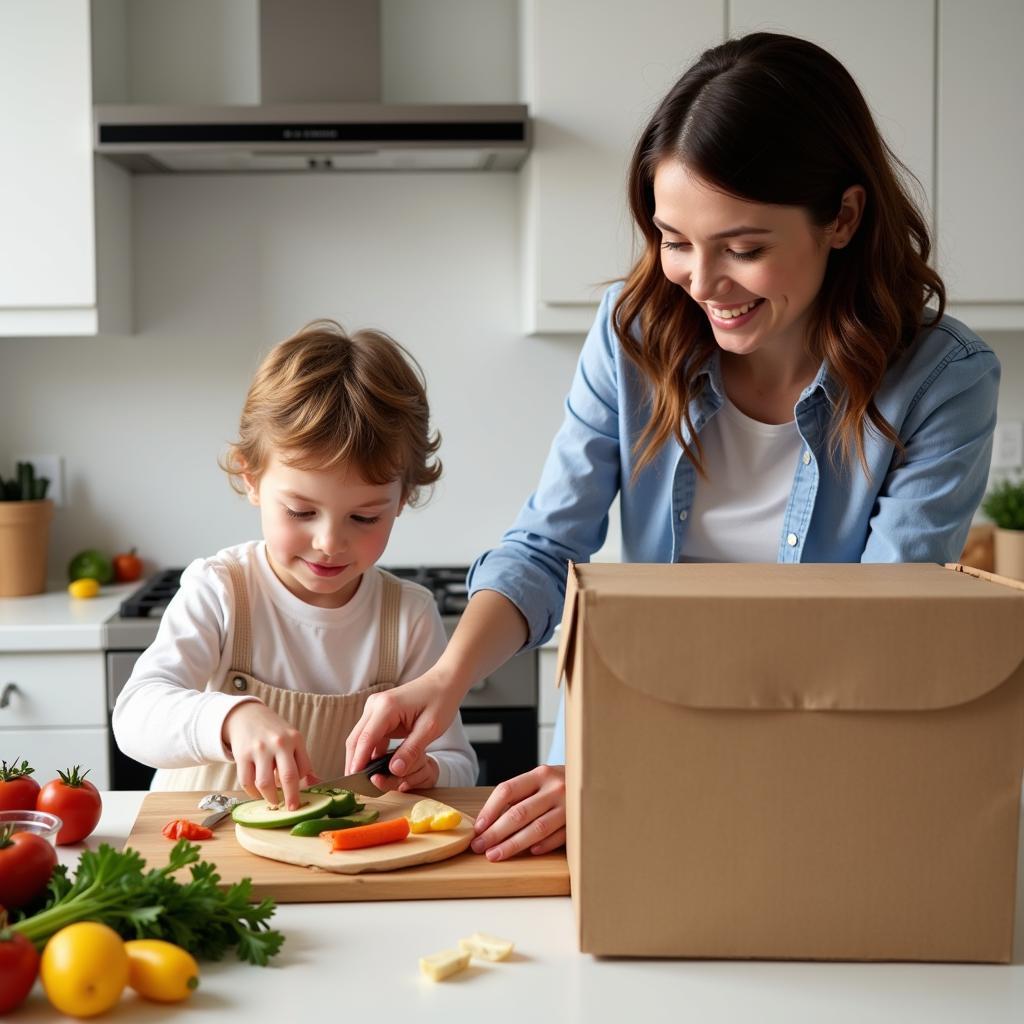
<point>323,528</point>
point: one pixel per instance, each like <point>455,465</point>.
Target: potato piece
<point>439,966</point>
<point>486,947</point>
<point>432,816</point>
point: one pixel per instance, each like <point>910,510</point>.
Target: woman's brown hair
<point>324,398</point>
<point>774,119</point>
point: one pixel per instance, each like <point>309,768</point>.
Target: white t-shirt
<point>171,711</point>
<point>737,512</point>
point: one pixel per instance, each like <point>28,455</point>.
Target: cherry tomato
<point>75,801</point>
<point>127,567</point>
<point>26,863</point>
<point>18,792</point>
<point>19,965</point>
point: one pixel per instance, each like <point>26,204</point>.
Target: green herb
<point>25,486</point>
<point>1004,505</point>
<point>112,887</point>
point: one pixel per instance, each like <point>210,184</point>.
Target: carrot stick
<point>377,834</point>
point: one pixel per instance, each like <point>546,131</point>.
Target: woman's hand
<point>270,754</point>
<point>527,812</point>
<point>419,710</point>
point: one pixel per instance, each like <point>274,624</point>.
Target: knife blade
<point>359,782</point>
<point>214,819</point>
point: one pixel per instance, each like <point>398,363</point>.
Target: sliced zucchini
<point>260,814</point>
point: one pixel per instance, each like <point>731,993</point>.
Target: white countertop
<point>359,962</point>
<point>56,621</point>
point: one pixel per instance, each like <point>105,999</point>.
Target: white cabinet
<point>549,697</point>
<point>980,154</point>
<point>888,48</point>
<point>55,712</point>
<point>592,74</point>
<point>64,261</point>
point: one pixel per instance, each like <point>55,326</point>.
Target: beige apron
<point>324,719</point>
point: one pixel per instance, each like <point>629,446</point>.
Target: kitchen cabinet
<point>549,696</point>
<point>890,51</point>
<point>980,217</point>
<point>592,74</point>
<point>55,712</point>
<point>64,264</point>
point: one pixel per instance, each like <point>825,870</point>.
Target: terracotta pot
<point>24,539</point>
<point>1010,553</point>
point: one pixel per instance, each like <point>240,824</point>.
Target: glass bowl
<point>39,822</point>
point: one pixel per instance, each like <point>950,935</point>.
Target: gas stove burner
<point>446,583</point>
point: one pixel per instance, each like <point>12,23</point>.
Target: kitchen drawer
<point>65,688</point>
<point>53,750</point>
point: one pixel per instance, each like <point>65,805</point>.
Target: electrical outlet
<point>1008,445</point>
<point>52,467</point>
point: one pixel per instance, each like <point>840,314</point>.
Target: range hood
<point>319,80</point>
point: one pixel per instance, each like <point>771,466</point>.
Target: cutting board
<point>425,848</point>
<point>466,875</point>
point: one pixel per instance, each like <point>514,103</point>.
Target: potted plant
<point>25,514</point>
<point>1004,505</point>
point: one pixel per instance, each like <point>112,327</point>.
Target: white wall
<point>227,266</point>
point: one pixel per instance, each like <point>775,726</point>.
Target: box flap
<point>568,623</point>
<point>815,637</point>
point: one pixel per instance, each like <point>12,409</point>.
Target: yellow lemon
<point>84,969</point>
<point>84,588</point>
<point>161,970</point>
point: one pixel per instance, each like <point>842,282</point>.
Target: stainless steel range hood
<point>319,87</point>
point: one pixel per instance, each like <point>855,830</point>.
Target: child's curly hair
<point>323,398</point>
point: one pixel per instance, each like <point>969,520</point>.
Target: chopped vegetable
<point>314,826</point>
<point>182,828</point>
<point>486,947</point>
<point>377,834</point>
<point>439,966</point>
<point>433,816</point>
<point>113,888</point>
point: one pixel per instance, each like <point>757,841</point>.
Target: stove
<point>499,713</point>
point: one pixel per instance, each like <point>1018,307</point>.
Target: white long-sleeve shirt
<point>171,711</point>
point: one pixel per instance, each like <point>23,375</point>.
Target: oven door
<point>505,741</point>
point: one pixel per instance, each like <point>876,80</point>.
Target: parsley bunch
<point>112,887</point>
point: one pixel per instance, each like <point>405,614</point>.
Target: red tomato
<point>18,792</point>
<point>127,567</point>
<point>26,863</point>
<point>182,828</point>
<point>19,965</point>
<point>75,801</point>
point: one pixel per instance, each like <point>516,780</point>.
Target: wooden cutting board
<point>466,875</point>
<point>424,848</point>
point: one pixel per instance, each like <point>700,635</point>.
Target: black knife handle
<point>379,766</point>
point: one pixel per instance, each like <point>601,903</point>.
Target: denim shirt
<point>940,397</point>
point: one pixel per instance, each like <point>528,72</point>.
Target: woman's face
<point>754,268</point>
<point>323,528</point>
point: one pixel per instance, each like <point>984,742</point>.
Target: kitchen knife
<point>214,819</point>
<point>359,782</point>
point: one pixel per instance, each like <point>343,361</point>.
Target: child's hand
<point>527,812</point>
<point>268,752</point>
<point>422,774</point>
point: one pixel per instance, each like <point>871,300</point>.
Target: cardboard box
<point>806,761</point>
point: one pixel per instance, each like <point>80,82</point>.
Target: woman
<point>766,385</point>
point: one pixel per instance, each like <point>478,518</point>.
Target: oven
<point>499,713</point>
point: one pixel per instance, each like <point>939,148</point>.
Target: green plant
<point>1004,505</point>
<point>25,486</point>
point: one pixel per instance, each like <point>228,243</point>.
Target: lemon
<point>84,588</point>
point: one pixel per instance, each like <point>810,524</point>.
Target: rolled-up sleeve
<point>566,518</point>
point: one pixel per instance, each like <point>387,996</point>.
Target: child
<point>267,653</point>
